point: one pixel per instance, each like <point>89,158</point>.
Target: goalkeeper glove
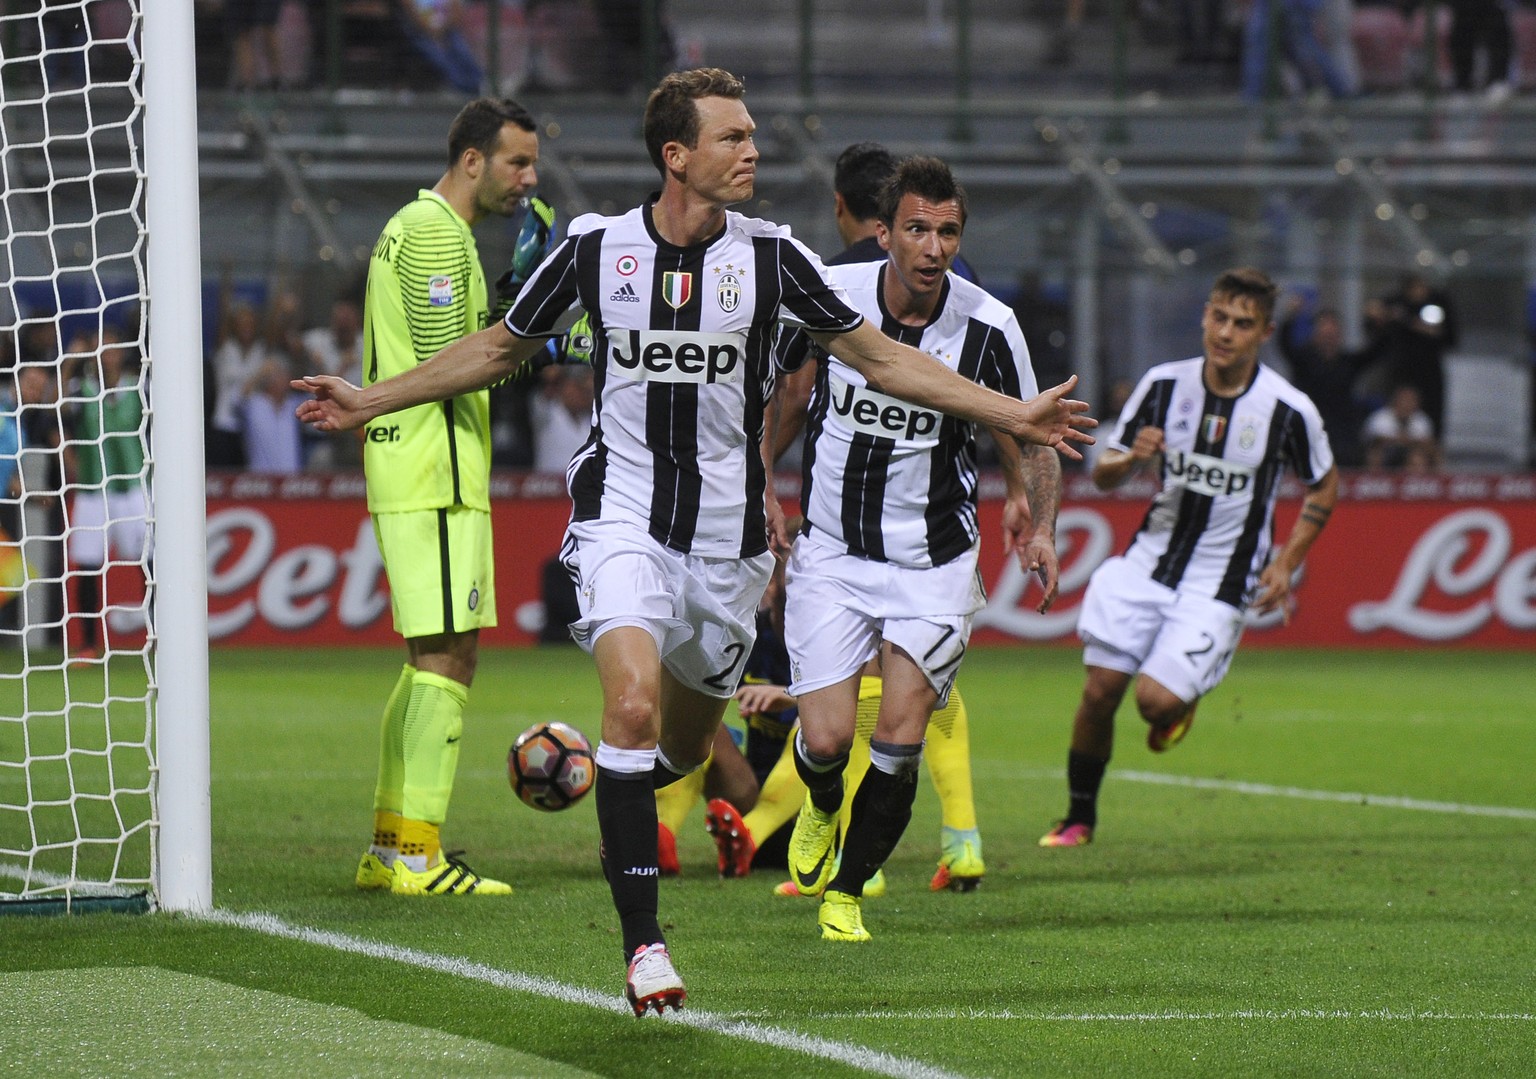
<point>528,250</point>
<point>576,345</point>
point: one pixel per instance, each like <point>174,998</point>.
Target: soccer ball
<point>550,766</point>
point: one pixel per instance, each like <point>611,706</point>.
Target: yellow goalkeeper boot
<point>372,872</point>
<point>449,877</point>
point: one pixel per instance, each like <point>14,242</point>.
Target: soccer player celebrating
<point>887,562</point>
<point>428,473</point>
<point>1219,429</point>
<point>671,517</point>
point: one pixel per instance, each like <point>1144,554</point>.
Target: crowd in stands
<point>537,421</point>
<point>1337,48</point>
<point>1383,402</point>
<point>263,45</point>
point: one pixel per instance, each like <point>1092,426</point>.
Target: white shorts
<point>839,607</point>
<point>702,612</point>
<point>99,519</point>
<point>1130,623</point>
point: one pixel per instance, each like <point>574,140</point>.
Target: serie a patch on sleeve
<point>440,290</point>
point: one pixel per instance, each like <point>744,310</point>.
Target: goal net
<point>81,773</point>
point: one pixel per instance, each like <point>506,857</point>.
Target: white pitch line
<point>1382,1014</point>
<point>856,1056</point>
<point>1348,797</point>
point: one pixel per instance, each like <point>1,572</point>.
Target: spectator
<point>1296,22</point>
<point>435,28</point>
<point>252,28</point>
<point>45,457</point>
<point>38,341</point>
<point>1058,51</point>
<point>335,349</point>
<point>270,430</point>
<point>1202,32</point>
<point>1418,325</point>
<point>13,573</point>
<point>625,37</point>
<point>110,511</point>
<point>241,352</point>
<point>1399,435</point>
<point>1325,372</point>
<point>1481,26</point>
<point>562,415</point>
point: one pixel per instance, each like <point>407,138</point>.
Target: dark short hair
<point>478,126</point>
<point>671,114</point>
<point>861,171</point>
<point>926,177</point>
<point>1247,282</point>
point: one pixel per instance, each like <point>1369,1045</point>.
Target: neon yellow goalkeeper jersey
<point>426,289</point>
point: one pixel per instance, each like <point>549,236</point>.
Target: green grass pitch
<point>1333,876</point>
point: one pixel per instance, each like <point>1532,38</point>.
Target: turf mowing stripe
<point>1384,1014</point>
<point>856,1056</point>
<point>1349,797</point>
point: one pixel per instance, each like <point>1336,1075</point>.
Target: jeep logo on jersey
<point>676,356</point>
<point>440,290</point>
<point>676,288</point>
<point>728,292</point>
<point>1206,475</point>
<point>871,413</point>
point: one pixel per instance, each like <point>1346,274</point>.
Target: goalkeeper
<point>428,475</point>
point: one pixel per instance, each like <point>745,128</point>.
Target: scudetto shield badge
<point>676,288</point>
<point>728,292</point>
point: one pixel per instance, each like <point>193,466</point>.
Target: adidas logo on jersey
<point>625,294</point>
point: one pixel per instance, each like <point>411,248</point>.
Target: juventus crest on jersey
<point>892,481</point>
<point>1210,528</point>
<point>681,350</point>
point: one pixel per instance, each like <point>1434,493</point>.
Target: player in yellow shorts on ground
<point>752,789</point>
<point>947,752</point>
<point>740,834</point>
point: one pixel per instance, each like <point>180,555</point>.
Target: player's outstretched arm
<point>470,363</point>
<point>1049,419</point>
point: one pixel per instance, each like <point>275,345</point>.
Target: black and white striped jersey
<point>1210,528</point>
<point>893,481</point>
<point>682,350</point>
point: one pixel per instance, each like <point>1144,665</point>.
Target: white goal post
<point>104,748</point>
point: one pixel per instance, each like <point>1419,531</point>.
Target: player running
<point>886,566</point>
<point>671,517</point>
<point>1219,429</point>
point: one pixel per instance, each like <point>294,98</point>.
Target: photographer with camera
<point>1417,326</point>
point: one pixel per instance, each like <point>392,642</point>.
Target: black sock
<point>663,776</point>
<point>1084,775</point>
<point>822,776</point>
<point>882,806</point>
<point>626,819</point>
